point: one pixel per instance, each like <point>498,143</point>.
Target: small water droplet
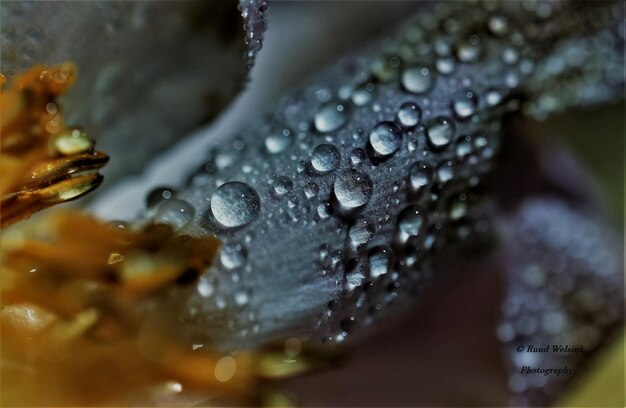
<point>235,204</point>
<point>323,210</point>
<point>385,69</point>
<point>233,256</point>
<point>177,213</point>
<point>282,185</point>
<point>355,274</point>
<point>418,80</point>
<point>278,140</point>
<point>158,195</point>
<point>457,208</point>
<point>385,139</point>
<point>420,176</point>
<point>381,260</point>
<point>360,232</point>
<point>468,50</point>
<point>363,94</point>
<point>311,190</point>
<point>410,222</point>
<point>445,172</point>
<point>357,156</point>
<point>330,117</point>
<point>409,115</point>
<point>465,105</point>
<point>493,97</point>
<point>498,25</point>
<point>440,132</point>
<point>445,66</point>
<point>352,189</point>
<point>325,158</point>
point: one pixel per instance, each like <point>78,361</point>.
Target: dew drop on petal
<point>352,189</point>
<point>177,213</point>
<point>325,158</point>
<point>385,139</point>
<point>235,204</point>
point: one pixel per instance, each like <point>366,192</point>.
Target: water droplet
<point>420,176</point>
<point>410,222</point>
<point>385,69</point>
<point>498,25</point>
<point>381,261</point>
<point>278,141</point>
<point>330,117</point>
<point>363,94</point>
<point>282,185</point>
<point>361,232</point>
<point>323,210</point>
<point>72,142</point>
<point>158,195</point>
<point>325,158</point>
<point>233,256</point>
<point>510,56</point>
<point>457,208</point>
<point>409,115</point>
<point>356,272</point>
<point>493,97</point>
<point>385,139</point>
<point>445,172</point>
<point>311,190</point>
<point>468,51</point>
<point>352,189</point>
<point>357,156</point>
<point>464,148</point>
<point>445,66</point>
<point>177,213</point>
<point>235,204</point>
<point>417,80</point>
<point>440,132</point>
<point>464,106</point>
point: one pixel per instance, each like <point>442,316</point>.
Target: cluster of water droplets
<point>336,204</point>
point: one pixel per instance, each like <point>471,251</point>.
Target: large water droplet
<point>361,232</point>
<point>409,115</point>
<point>278,141</point>
<point>234,204</point>
<point>381,261</point>
<point>420,176</point>
<point>177,213</point>
<point>418,80</point>
<point>464,106</point>
<point>325,158</point>
<point>330,117</point>
<point>410,222</point>
<point>352,189</point>
<point>440,132</point>
<point>385,139</point>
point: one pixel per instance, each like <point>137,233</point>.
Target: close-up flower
<point>312,203</point>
